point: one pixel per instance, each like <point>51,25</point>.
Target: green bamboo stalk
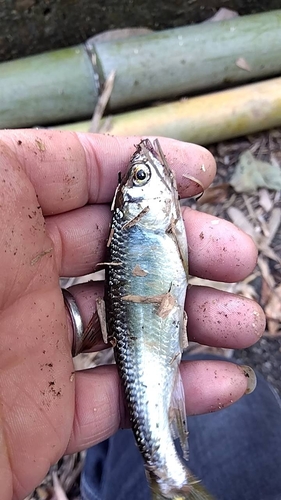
<point>63,85</point>
<point>204,119</point>
<point>190,59</point>
<point>47,88</point>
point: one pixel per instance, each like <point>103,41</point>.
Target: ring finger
<point>236,322</point>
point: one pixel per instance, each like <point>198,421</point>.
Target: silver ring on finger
<point>76,320</point>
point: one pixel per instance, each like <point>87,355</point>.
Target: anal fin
<point>177,415</point>
<point>184,338</point>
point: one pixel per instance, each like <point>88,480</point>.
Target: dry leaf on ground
<point>242,64</point>
<point>251,174</point>
<point>265,201</point>
<point>215,194</point>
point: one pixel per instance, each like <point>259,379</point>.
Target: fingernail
<point>250,377</point>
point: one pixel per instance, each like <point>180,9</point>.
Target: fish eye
<point>141,175</point>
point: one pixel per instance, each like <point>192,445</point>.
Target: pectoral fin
<point>177,232</point>
<point>100,304</point>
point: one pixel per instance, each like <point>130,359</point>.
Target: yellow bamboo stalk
<point>204,119</point>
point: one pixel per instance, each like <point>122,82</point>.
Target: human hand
<point>55,215</point>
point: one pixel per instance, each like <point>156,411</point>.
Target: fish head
<point>148,190</point>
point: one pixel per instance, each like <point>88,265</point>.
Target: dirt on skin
<point>258,209</point>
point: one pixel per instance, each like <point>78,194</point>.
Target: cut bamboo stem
<point>60,86</point>
<point>181,61</point>
<point>204,119</point>
<point>47,88</point>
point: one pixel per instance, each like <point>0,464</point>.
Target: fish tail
<point>194,490</point>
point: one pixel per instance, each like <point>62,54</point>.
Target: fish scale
<point>129,352</point>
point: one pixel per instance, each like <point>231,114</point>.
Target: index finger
<point>69,170</point>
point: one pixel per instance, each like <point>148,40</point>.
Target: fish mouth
<point>147,144</point>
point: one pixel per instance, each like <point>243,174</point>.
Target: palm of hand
<point>36,386</point>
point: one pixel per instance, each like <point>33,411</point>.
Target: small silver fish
<point>146,282</point>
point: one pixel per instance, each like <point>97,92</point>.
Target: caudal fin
<point>193,491</point>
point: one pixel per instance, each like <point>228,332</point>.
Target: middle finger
<point>215,245</point>
<point>215,317</point>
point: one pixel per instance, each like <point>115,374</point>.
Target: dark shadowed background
<point>34,26</point>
